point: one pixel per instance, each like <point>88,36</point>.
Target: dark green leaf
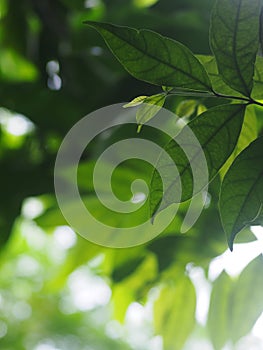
<point>217,131</point>
<point>174,313</point>
<point>153,58</point>
<point>241,195</point>
<point>220,86</point>
<point>234,39</point>
<point>261,30</point>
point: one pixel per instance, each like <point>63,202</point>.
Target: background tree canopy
<point>60,291</point>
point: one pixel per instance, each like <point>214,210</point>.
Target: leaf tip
<point>139,128</point>
<point>231,242</point>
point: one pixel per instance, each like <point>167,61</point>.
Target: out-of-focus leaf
<point>141,54</point>
<point>144,3</point>
<point>186,108</point>
<point>241,197</point>
<point>247,303</point>
<point>219,311</point>
<point>124,270</point>
<point>174,313</point>
<point>235,305</point>
<point>14,67</point>
<point>134,287</point>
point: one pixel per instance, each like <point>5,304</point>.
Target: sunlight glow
<point>21,310</point>
<point>258,327</point>
<point>15,124</point>
<point>65,237</point>
<point>203,290</point>
<point>138,198</point>
<point>234,262</point>
<point>46,346</point>
<point>88,4</point>
<point>52,68</point>
<point>54,82</point>
<point>3,329</point>
<point>88,291</point>
<point>32,207</point>
<point>18,125</point>
<point>27,266</point>
<point>144,3</point>
<point>96,51</point>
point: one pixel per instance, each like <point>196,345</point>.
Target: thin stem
<point>248,100</point>
<point>190,94</point>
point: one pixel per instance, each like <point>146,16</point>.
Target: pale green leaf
<point>135,102</point>
<point>217,322</point>
<point>174,313</point>
<point>247,303</point>
<point>150,108</point>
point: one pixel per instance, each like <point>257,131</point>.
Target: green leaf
<point>261,30</point>
<point>217,130</point>
<point>257,92</point>
<point>135,102</point>
<point>241,195</point>
<point>150,108</point>
<point>134,286</point>
<point>234,37</point>
<point>15,68</point>
<point>235,305</point>
<point>150,57</point>
<point>247,303</point>
<point>248,134</point>
<point>144,3</point>
<point>174,313</point>
<point>220,86</point>
<point>209,62</point>
<point>218,311</point>
<point>186,108</point>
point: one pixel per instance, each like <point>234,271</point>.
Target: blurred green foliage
<point>53,71</point>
